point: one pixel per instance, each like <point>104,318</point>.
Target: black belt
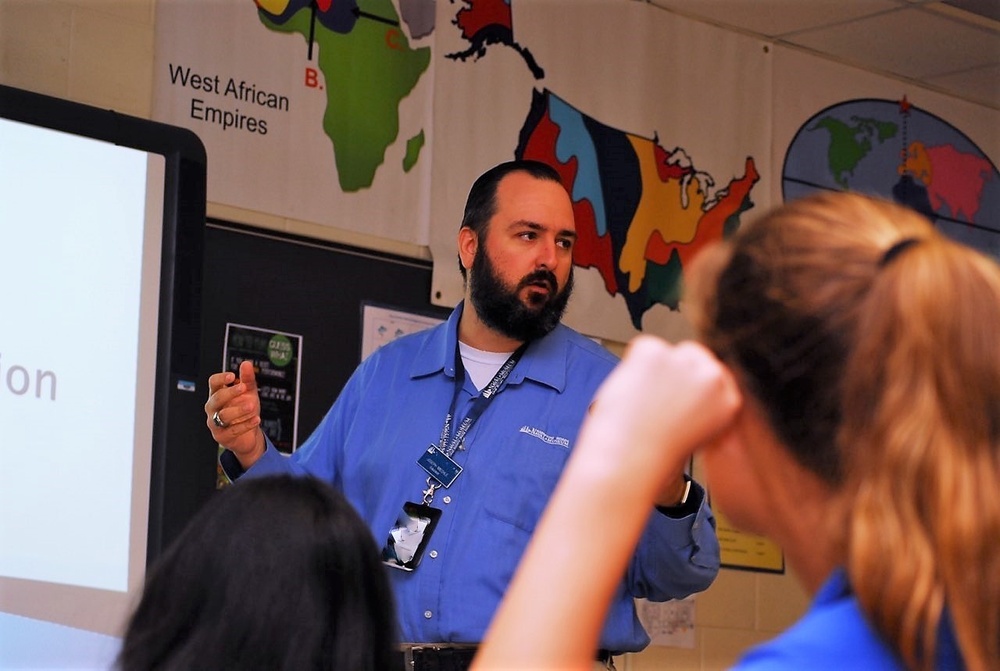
<point>435,657</point>
<point>449,658</point>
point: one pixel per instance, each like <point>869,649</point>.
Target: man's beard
<point>504,311</point>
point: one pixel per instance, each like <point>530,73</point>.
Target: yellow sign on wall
<point>743,550</point>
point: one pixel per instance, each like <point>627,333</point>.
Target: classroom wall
<point>100,52</point>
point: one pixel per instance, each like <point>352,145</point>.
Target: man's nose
<point>547,257</point>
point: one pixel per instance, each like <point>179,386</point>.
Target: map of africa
<point>895,150</point>
<point>365,80</point>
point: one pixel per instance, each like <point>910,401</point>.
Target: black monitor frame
<point>182,477</point>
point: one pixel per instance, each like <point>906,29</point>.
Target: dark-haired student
<point>278,574</point>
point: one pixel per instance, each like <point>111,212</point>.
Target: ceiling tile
<point>989,9</point>
<point>909,42</point>
<point>773,18</point>
<point>981,85</point>
<point>949,45</point>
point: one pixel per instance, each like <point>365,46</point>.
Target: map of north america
<point>642,211</point>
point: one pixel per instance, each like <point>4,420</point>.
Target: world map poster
<point>851,130</point>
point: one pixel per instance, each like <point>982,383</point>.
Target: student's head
<point>516,243</point>
<point>273,573</point>
<point>870,342</point>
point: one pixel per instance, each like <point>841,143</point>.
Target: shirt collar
<point>834,588</point>
<point>545,361</point>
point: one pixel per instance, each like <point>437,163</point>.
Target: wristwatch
<point>685,506</point>
<point>687,492</point>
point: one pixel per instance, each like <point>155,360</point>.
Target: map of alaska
<point>368,69</point>
<point>486,22</point>
<point>642,211</point>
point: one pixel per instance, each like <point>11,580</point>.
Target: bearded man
<point>467,426</point>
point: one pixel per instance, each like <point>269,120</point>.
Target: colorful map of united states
<point>642,211</point>
<point>368,69</point>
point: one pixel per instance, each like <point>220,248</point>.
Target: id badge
<point>439,466</point>
<point>408,538</point>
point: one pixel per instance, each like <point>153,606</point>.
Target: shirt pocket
<point>523,476</point>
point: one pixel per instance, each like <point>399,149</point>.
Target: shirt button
<point>433,553</point>
<point>447,499</point>
<point>428,615</point>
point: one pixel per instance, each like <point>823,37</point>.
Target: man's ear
<point>468,243</point>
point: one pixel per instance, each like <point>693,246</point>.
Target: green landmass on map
<point>366,80</point>
<point>413,147</point>
<point>850,143</point>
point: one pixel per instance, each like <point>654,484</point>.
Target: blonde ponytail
<point>921,437</point>
<point>873,344</point>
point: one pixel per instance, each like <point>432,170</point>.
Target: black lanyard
<point>479,404</point>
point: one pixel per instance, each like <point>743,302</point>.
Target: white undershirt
<point>480,364</point>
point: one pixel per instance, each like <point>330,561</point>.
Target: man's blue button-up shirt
<point>393,408</point>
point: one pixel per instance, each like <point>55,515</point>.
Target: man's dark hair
<point>481,204</point>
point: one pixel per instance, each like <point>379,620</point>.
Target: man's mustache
<point>546,277</point>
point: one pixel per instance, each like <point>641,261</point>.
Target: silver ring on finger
<point>218,420</point>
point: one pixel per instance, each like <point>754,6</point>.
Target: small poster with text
<point>277,362</point>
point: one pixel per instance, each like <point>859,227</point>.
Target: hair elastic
<point>895,250</point>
